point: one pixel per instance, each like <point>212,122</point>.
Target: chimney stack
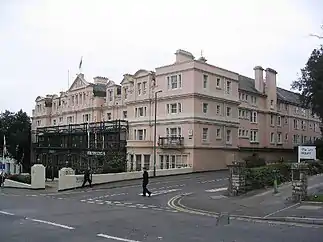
<point>259,79</point>
<point>271,88</point>
<point>183,56</point>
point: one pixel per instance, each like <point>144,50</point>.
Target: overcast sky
<point>41,40</point>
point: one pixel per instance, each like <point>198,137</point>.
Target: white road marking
<point>309,207</point>
<point>162,192</point>
<point>116,238</point>
<point>280,210</point>
<point>217,189</point>
<point>51,223</point>
<point>6,213</point>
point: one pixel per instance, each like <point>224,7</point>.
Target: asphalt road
<point>115,214</point>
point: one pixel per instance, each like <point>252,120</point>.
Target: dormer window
<point>139,88</point>
<point>125,89</point>
<point>110,92</point>
<point>118,90</point>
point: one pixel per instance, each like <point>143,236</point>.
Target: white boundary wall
<point>37,179</point>
<point>68,179</point>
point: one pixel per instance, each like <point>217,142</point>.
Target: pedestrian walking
<point>145,182</point>
<point>87,177</point>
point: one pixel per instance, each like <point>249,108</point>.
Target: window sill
<point>280,143</point>
<point>219,88</point>
<point>204,142</point>
<point>218,138</point>
<point>254,142</point>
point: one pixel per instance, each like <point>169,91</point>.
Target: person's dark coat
<point>145,177</point>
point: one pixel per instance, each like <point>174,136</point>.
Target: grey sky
<point>41,40</point>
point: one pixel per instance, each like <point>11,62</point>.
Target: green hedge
<point>262,177</point>
<point>20,178</point>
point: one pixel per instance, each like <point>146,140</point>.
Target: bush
<point>262,177</point>
<point>20,178</point>
<point>254,161</point>
<point>315,167</point>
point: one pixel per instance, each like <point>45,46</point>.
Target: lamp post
<point>155,131</point>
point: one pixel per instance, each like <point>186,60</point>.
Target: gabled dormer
<point>78,83</point>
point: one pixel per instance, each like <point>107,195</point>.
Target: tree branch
<point>317,36</point>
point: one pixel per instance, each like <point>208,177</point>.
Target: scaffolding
<point>100,146</point>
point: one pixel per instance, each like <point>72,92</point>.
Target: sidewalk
<point>264,204</point>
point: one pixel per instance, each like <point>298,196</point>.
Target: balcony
<point>171,142</point>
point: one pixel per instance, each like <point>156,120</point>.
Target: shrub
<point>315,167</point>
<point>254,161</point>
<point>20,178</point>
<point>261,177</point>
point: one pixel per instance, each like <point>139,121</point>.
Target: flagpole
<point>68,79</point>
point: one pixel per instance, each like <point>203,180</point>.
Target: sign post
<point>306,153</point>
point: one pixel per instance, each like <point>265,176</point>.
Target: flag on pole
<point>80,65</point>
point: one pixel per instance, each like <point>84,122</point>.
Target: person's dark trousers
<point>87,179</point>
<point>145,190</point>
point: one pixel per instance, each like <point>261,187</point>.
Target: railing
<point>171,142</point>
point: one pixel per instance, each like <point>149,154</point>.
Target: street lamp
<point>155,131</point>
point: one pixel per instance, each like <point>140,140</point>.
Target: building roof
<point>99,89</point>
<point>248,84</point>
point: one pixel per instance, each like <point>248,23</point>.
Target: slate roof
<point>99,89</point>
<point>248,84</point>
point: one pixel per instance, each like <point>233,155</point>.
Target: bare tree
<point>316,35</point>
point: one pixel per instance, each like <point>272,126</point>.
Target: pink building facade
<point>206,116</point>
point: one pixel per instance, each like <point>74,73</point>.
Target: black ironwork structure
<point>100,146</point>
<point>171,142</point>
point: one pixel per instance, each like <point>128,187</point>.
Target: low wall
<point>67,180</point>
<point>37,179</point>
<point>15,184</point>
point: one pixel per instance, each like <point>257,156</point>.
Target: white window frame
<point>279,138</point>
<point>205,108</point>
<point>254,136</point>
<point>138,113</point>
<point>272,138</point>
<point>139,88</point>
<point>218,82</point>
<point>177,109</point>
<point>218,133</point>
<point>254,117</point>
<point>138,135</point>
<point>228,111</point>
<point>228,133</point>
<point>218,109</point>
<point>205,81</point>
<point>279,121</point>
<point>228,87</point>
<point>205,134</point>
<point>178,132</point>
<point>172,79</point>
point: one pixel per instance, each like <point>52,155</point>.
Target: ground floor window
<point>173,161</point>
<point>131,162</point>
<point>147,161</point>
<point>138,162</point>
<point>161,162</point>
